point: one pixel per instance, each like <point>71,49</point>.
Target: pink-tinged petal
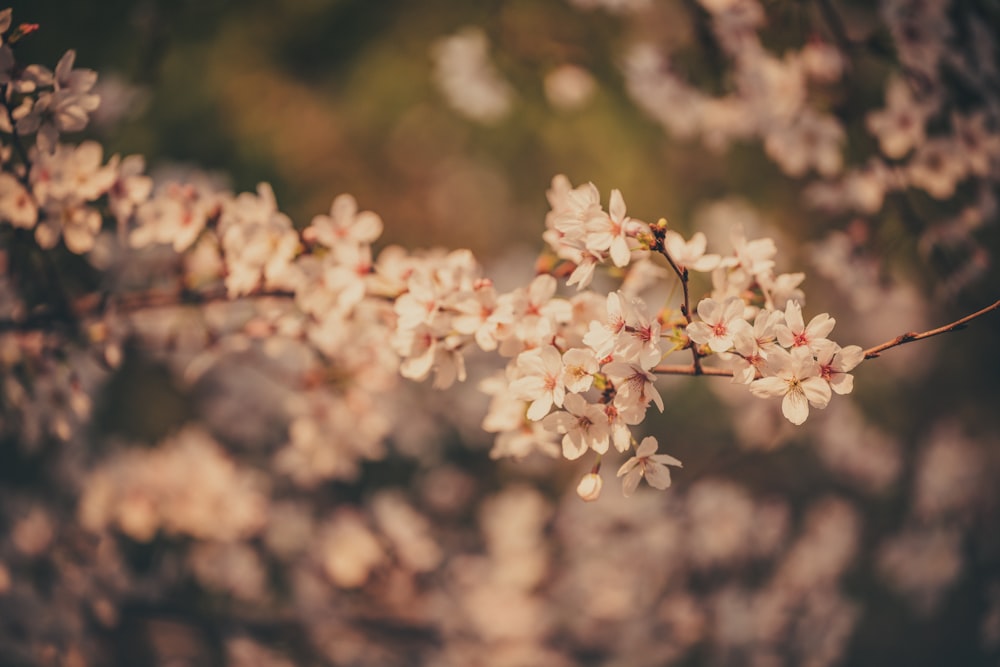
<point>699,332</point>
<point>768,387</point>
<point>849,358</point>
<point>732,309</point>
<point>527,388</point>
<point>616,206</point>
<point>658,476</point>
<point>842,384</point>
<point>795,407</point>
<point>705,263</point>
<point>573,446</point>
<point>368,226</point>
<point>631,482</point>
<point>577,404</point>
<point>709,311</point>
<point>552,359</point>
<point>817,391</point>
<point>620,253</point>
<point>666,459</point>
<point>616,312</point>
<point>600,442</point>
<point>697,244</point>
<point>542,288</point>
<point>820,326</point>
<point>583,273</point>
<point>793,316</point>
<point>418,367</point>
<point>558,394</point>
<point>720,343</point>
<point>621,436</point>
<point>825,351</point>
<point>559,422</point>
<point>647,447</point>
<point>628,465</point>
<point>540,407</point>
<point>65,65</point>
<point>803,364</point>
<point>656,398</point>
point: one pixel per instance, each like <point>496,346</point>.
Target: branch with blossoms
<point>581,367</point>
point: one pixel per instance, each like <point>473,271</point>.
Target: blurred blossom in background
<point>221,487</point>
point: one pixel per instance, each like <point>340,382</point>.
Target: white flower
<point>344,224</point>
<point>634,385</point>
<point>835,363</point>
<point>579,366</point>
<point>720,323</point>
<point>752,345</point>
<point>689,254</point>
<point>541,382</point>
<point>795,333</point>
<point>610,232</point>
<point>603,338</point>
<point>584,424</point>
<point>796,378</point>
<point>649,465</point>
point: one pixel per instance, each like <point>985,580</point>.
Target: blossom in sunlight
<point>795,333</point>
<point>344,224</point>
<point>689,254</point>
<point>541,381</point>
<point>835,364</point>
<point>720,323</point>
<point>611,232</point>
<point>649,465</point>
<point>795,376</point>
<point>752,346</point>
<point>583,425</point>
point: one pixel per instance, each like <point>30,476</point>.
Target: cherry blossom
<point>583,424</point>
<point>648,465</point>
<point>795,376</point>
<point>793,332</point>
<point>835,364</point>
<point>541,381</point>
<point>720,324</point>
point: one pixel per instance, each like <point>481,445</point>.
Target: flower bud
<point>590,486</point>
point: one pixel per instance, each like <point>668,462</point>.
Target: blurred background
<point>867,537</point>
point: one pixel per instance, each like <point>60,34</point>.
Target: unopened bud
<point>590,487</point>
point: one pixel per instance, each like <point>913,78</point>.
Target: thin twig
<point>909,337</point>
<point>659,234</point>
<point>870,353</point>
<point>690,370</point>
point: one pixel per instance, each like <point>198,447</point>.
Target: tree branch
<point>870,353</point>
<point>909,337</point>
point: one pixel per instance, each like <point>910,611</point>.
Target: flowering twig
<point>659,234</point>
<point>691,370</point>
<point>909,337</point>
<point>870,353</point>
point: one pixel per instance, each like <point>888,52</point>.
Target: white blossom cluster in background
<point>269,508</point>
